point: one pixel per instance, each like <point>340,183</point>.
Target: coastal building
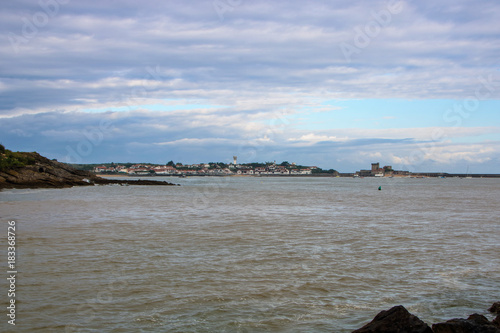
<point>281,170</point>
<point>306,171</point>
<point>143,171</point>
<point>363,173</point>
<point>245,171</point>
<point>164,170</point>
<point>260,171</point>
<point>100,169</point>
<point>105,169</point>
<point>377,171</point>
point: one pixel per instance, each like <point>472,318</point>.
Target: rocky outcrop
<point>495,308</point>
<point>395,320</point>
<point>496,321</point>
<point>399,320</point>
<point>474,324</point>
<point>45,173</point>
<point>104,181</point>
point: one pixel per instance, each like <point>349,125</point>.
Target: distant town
<point>211,169</point>
<point>256,169</point>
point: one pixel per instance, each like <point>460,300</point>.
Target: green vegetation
<point>85,167</point>
<point>256,165</point>
<point>90,167</point>
<point>319,170</point>
<point>215,165</point>
<point>10,160</point>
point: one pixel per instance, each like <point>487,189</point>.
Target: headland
<point>31,170</point>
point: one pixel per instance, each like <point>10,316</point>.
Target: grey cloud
<point>90,54</point>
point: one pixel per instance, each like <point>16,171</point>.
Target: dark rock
<point>496,321</point>
<point>104,181</point>
<point>474,324</point>
<point>395,320</point>
<point>495,308</point>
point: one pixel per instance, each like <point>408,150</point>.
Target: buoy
<point>380,188</point>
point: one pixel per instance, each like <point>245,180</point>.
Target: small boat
<point>467,176</point>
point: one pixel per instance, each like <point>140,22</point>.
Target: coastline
<point>324,175</point>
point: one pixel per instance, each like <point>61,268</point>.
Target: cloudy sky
<point>336,84</point>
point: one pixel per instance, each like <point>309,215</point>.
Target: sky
<point>334,84</point>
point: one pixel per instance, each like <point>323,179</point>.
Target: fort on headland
<point>388,171</point>
<point>377,171</point>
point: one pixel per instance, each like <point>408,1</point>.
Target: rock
<point>496,321</point>
<point>45,173</point>
<point>395,320</point>
<point>474,324</point>
<point>495,308</point>
<point>104,181</point>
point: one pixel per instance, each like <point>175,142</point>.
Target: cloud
<point>289,46</point>
<point>195,142</point>
<point>260,70</point>
<point>312,138</point>
<point>153,136</point>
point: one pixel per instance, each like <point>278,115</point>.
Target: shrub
<point>10,160</point>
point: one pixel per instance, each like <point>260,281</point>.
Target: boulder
<point>395,320</point>
<point>474,324</point>
<point>495,308</point>
<point>496,321</point>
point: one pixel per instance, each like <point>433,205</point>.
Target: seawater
<point>251,254</point>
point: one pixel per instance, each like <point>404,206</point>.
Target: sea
<point>249,254</point>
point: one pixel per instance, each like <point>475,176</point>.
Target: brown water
<point>245,254</point>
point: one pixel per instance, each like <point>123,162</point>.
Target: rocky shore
<point>44,173</point>
<point>399,320</point>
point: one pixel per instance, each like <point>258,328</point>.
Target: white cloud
<point>312,138</point>
<point>194,141</point>
<point>448,155</point>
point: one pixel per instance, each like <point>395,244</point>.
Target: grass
<point>12,160</point>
